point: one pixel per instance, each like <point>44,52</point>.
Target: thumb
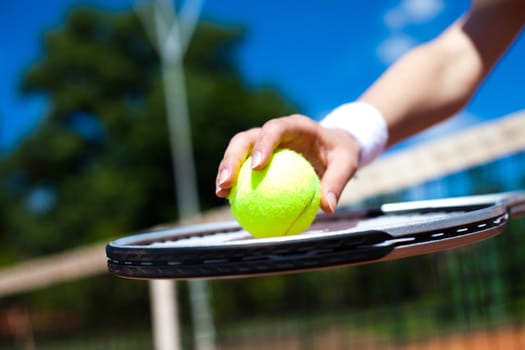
<point>333,183</point>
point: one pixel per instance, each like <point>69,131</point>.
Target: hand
<point>333,153</point>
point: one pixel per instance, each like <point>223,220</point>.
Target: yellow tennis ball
<point>281,199</point>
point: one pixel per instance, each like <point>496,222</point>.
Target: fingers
<point>261,143</point>
<point>293,132</point>
<point>236,152</point>
<point>267,141</point>
<point>333,152</point>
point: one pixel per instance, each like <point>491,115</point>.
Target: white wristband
<point>366,125</point>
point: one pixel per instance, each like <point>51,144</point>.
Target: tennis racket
<point>349,237</point>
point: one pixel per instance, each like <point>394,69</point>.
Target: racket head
<point>349,237</point>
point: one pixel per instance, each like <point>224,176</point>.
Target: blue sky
<point>319,54</point>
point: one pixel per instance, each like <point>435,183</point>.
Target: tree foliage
<point>99,164</point>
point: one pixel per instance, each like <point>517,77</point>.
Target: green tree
<point>99,164</point>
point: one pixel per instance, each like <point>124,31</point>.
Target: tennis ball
<point>281,199</point>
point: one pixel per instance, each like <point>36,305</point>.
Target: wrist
<point>365,124</point>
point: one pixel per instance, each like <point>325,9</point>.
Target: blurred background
<point>86,156</point>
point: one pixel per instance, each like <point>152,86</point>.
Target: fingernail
<point>223,176</point>
<point>332,201</point>
<point>256,159</point>
<point>218,189</point>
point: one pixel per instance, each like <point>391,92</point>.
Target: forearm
<point>424,88</point>
<point>436,80</point>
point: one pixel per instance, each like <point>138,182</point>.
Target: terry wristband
<point>366,125</point>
